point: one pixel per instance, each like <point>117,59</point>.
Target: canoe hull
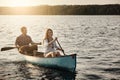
<point>67,62</point>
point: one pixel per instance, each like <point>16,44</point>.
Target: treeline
<point>63,10</point>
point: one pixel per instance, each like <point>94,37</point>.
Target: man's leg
<point>34,49</point>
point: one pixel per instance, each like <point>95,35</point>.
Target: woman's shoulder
<point>45,39</point>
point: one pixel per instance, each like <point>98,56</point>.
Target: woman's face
<point>50,33</point>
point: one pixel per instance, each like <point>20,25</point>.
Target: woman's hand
<point>52,41</point>
<point>55,38</point>
<point>60,49</point>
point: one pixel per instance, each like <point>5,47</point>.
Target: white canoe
<point>67,62</point>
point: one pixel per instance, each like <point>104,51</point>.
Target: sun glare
<point>17,3</point>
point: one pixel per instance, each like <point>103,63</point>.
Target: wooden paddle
<point>7,48</point>
<point>61,47</point>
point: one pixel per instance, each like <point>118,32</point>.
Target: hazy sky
<point>55,2</point>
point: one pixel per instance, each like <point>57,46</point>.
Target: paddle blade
<point>7,48</point>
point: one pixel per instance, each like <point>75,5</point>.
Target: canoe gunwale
<point>51,57</point>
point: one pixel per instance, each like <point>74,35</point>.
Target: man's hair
<point>22,28</point>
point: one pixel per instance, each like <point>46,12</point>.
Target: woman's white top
<point>49,48</point>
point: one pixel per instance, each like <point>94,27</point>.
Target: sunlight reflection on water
<point>95,40</point>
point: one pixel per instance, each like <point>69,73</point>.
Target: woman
<point>51,49</point>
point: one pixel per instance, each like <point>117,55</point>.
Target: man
<point>24,43</point>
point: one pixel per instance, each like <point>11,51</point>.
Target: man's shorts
<point>29,49</point>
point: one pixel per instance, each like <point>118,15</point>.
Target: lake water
<point>95,40</point>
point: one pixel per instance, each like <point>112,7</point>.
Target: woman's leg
<point>50,54</point>
<point>57,54</point>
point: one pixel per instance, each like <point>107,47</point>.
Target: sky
<point>55,2</point>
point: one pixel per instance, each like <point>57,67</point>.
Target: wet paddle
<point>7,48</point>
<point>61,47</point>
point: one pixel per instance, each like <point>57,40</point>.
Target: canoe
<point>67,62</point>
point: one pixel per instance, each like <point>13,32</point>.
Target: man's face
<point>24,31</point>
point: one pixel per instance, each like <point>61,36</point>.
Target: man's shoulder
<point>28,36</point>
<point>19,36</point>
<point>22,36</point>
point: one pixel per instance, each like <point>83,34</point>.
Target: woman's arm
<point>49,43</point>
<point>52,41</point>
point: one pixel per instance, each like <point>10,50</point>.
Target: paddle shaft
<point>7,48</point>
<point>60,47</point>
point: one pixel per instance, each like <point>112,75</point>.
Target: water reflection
<point>24,70</point>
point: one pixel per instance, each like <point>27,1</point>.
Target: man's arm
<point>33,43</point>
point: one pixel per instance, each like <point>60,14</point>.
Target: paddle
<point>7,48</point>
<point>61,47</point>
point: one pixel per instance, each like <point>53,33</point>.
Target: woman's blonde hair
<point>46,33</point>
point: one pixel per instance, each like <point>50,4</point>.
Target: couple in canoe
<point>25,44</point>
